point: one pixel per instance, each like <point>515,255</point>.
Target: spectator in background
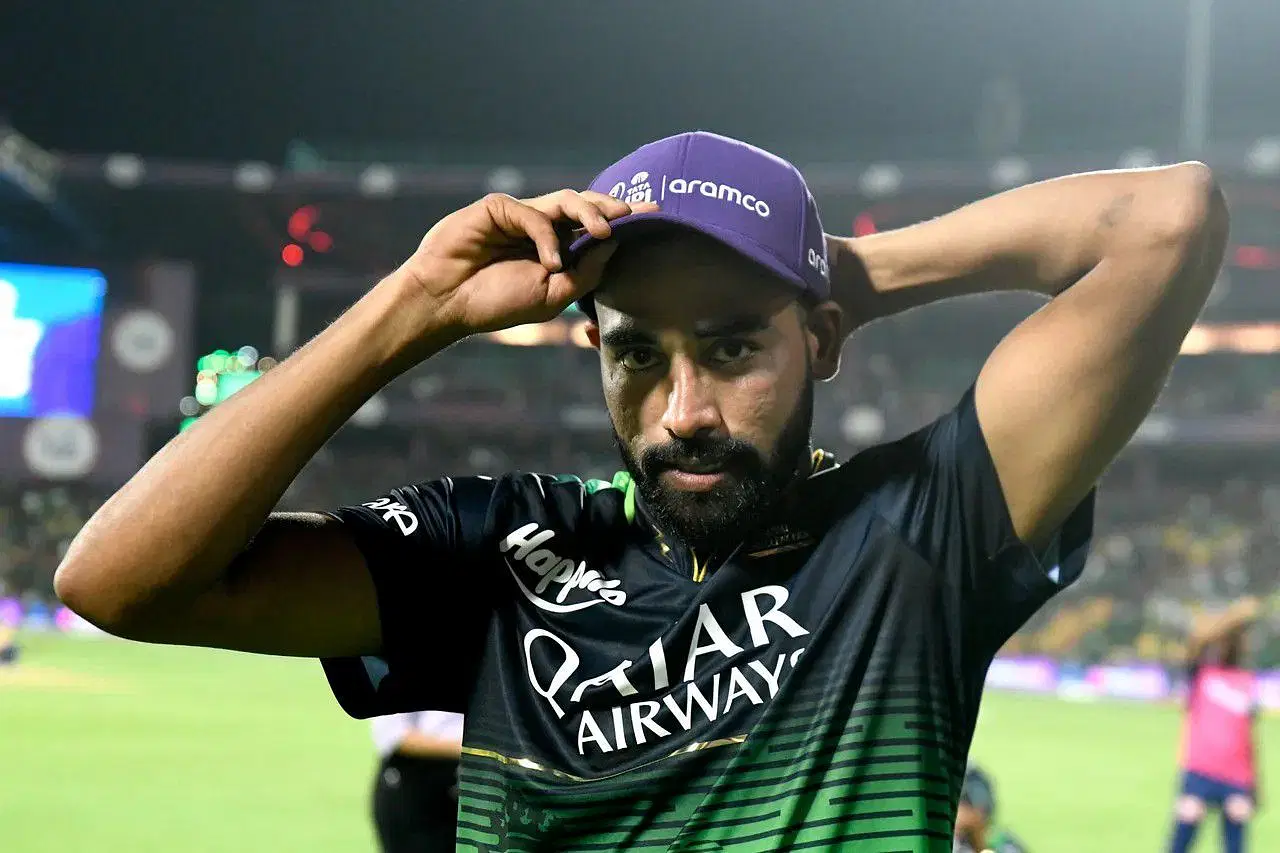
<point>1218,757</point>
<point>8,644</point>
<point>973,815</point>
<point>415,795</point>
<point>975,828</point>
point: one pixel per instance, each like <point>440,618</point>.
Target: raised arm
<point>1128,258</point>
<point>1237,617</point>
<point>187,551</point>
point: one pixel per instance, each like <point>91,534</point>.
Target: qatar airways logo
<point>674,686</point>
<point>553,576</point>
<point>723,192</point>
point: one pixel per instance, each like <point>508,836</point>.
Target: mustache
<point>696,453</point>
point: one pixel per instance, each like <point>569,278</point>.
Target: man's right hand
<point>188,552</point>
<point>497,263</point>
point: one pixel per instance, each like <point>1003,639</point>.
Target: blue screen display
<point>50,325</point>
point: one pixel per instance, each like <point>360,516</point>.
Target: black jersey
<point>817,690</point>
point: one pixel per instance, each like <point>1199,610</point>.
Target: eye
<point>637,359</point>
<point>732,351</point>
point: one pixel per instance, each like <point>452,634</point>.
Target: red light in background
<point>864,224</point>
<point>1257,257</point>
<point>291,254</point>
<point>301,222</point>
<point>320,241</point>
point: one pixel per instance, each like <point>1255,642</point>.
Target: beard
<point>753,490</point>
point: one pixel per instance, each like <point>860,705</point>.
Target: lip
<point>689,481</point>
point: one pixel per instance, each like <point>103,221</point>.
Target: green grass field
<point>112,746</point>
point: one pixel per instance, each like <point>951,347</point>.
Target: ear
<point>593,334</point>
<point>824,329</point>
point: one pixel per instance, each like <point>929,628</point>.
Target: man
<point>975,818</point>
<point>1218,756</point>
<point>415,802</point>
<point>735,644</point>
<point>8,644</point>
<point>974,813</point>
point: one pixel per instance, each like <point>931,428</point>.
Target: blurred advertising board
<point>1140,682</point>
<point>1026,675</point>
<point>88,357</point>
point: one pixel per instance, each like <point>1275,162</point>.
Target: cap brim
<point>639,224</point>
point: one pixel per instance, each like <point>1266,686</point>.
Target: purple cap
<point>750,200</point>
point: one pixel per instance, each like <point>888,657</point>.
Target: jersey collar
<point>776,539</point>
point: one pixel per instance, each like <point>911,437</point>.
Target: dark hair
<point>1231,649</point>
<point>978,792</point>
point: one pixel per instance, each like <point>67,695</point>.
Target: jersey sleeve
<point>423,547</point>
<point>958,517</point>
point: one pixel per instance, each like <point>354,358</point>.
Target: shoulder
<point>926,485</point>
<point>880,476</point>
<point>564,502</point>
<point>892,462</point>
<point>563,492</point>
<point>471,510</point>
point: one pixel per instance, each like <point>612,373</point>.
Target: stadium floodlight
<point>1155,429</point>
<point>1009,172</point>
<point>505,179</point>
<point>1139,158</point>
<point>372,414</point>
<point>377,180</point>
<point>253,177</point>
<point>142,340</point>
<point>584,416</point>
<point>62,447</point>
<point>880,179</point>
<point>862,424</point>
<point>426,387</point>
<point>1263,158</point>
<point>124,170</point>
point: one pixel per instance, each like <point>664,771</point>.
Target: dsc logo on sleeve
<point>393,510</point>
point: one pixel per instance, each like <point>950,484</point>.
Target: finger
<point>645,207</point>
<point>622,208</point>
<point>563,288</point>
<point>520,221</point>
<point>574,206</point>
<point>613,208</point>
<point>575,209</point>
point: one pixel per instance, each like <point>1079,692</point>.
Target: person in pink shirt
<point>1218,764</point>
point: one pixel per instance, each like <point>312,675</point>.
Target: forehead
<point>679,279</point>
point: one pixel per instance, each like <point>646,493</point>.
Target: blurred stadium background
<point>188,192</point>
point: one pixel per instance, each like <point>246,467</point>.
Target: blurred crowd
<point>1175,536</point>
<point>37,523</point>
<point>1177,529</point>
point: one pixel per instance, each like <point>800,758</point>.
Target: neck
<point>706,553</point>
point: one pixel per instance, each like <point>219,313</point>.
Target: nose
<point>691,405</point>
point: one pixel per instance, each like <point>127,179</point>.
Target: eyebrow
<point>629,333</point>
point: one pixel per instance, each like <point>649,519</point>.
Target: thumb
<point>584,276</point>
